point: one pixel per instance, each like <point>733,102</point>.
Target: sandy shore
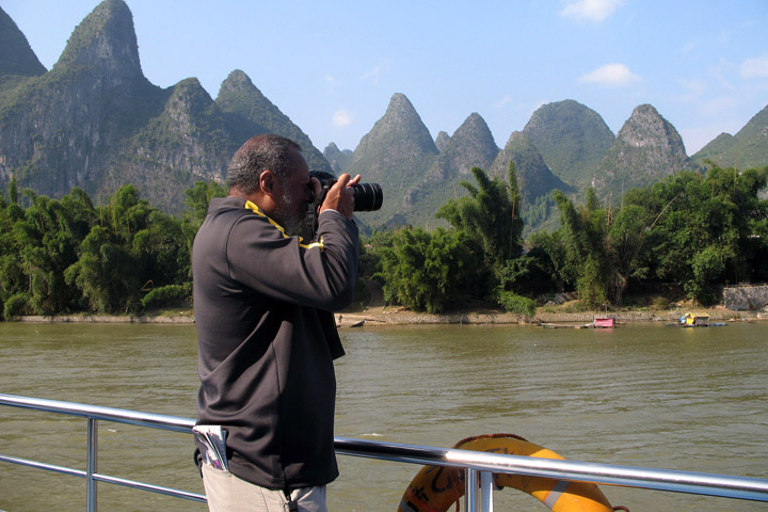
<point>400,316</point>
<point>391,315</point>
<point>111,319</point>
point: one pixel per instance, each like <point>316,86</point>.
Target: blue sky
<point>333,66</point>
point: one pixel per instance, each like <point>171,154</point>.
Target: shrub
<point>17,305</point>
<point>517,303</point>
<point>167,296</point>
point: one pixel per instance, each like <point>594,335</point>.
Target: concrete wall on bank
<point>745,298</point>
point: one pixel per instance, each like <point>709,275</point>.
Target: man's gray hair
<point>259,153</point>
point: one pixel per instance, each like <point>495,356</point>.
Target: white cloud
<point>611,74</point>
<point>592,10</point>
<point>755,68</point>
<point>693,87</point>
<point>689,46</point>
<point>342,118</point>
<point>374,75</point>
<point>503,101</point>
<point>330,82</point>
<point>722,72</point>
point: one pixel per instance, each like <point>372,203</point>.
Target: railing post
<point>91,467</point>
<point>486,488</point>
<point>470,491</point>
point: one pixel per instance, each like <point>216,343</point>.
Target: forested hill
<point>746,149</point>
<point>17,60</point>
<point>571,138</point>
<point>94,121</point>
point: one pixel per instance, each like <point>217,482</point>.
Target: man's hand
<point>339,196</point>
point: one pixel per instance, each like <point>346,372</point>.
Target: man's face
<point>294,194</point>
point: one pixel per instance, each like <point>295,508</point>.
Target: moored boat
<point>606,322</point>
<point>696,320</point>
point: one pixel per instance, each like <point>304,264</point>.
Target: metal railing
<point>479,466</point>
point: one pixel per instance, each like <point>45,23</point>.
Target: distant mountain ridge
<point>17,60</point>
<point>534,176</point>
<point>396,153</point>
<point>647,149</point>
<point>471,145</point>
<point>571,138</point>
<point>94,121</point>
<point>744,150</point>
<point>250,112</point>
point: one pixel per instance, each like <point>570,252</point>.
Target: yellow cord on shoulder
<point>255,209</point>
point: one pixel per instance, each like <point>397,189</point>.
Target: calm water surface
<point>638,395</point>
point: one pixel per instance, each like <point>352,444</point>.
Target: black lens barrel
<point>368,197</point>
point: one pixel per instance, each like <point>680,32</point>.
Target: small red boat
<point>607,322</point>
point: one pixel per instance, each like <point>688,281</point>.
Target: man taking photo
<point>267,338</point>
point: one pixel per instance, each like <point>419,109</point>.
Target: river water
<point>638,395</point>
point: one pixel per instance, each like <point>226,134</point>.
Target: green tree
<point>13,190</point>
<point>628,238</point>
<point>99,270</point>
<point>708,237</point>
<point>489,215</point>
<point>63,255</point>
<point>13,281</point>
<point>196,199</point>
<point>112,268</point>
<point>46,236</point>
<point>428,271</point>
<point>694,231</point>
<point>164,253</point>
<point>548,249</point>
<point>585,247</point>
<point>490,218</point>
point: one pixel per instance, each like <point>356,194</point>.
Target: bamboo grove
<point>692,233</point>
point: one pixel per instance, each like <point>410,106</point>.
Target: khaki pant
<point>227,493</point>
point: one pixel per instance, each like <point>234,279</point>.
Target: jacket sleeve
<point>321,275</point>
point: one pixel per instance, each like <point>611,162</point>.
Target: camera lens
<point>368,197</point>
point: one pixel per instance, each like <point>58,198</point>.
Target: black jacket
<point>267,340</point>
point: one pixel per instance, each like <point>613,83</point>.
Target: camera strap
<point>311,220</point>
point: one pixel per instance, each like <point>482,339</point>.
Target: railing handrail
<point>689,482</point>
<point>98,412</point>
<point>754,489</point>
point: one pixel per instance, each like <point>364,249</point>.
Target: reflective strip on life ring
<point>436,488</point>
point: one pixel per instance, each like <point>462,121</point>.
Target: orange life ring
<point>435,488</point>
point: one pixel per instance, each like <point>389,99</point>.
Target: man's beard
<point>286,215</point>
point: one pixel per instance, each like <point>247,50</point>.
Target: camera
<point>368,196</point>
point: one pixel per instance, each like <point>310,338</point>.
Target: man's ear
<point>267,181</point>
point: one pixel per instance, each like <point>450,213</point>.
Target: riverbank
<point>177,317</point>
<point>393,315</point>
<point>389,315</point>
